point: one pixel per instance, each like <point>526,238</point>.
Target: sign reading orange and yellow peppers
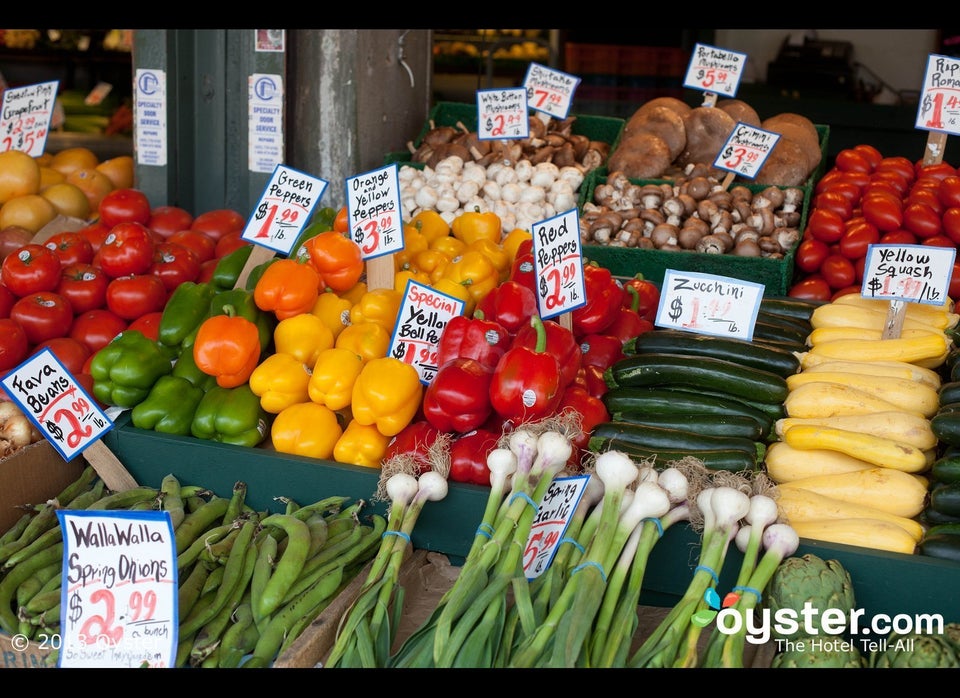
<point>387,393</point>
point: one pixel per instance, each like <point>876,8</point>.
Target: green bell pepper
<point>228,269</point>
<point>170,406</point>
<point>231,416</point>
<point>186,308</point>
<point>186,367</point>
<point>126,369</point>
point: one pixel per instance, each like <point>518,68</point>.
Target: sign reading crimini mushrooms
<point>939,108</point>
<point>550,91</point>
<point>502,114</point>
<point>25,117</point>
<point>715,70</point>
<point>285,207</point>
<point>916,273</point>
<point>708,304</point>
<point>746,150</point>
<point>558,264</point>
<point>423,315</point>
<point>373,211</point>
<point>553,516</point>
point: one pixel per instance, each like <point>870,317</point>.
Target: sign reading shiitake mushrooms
<point>746,150</point>
<point>708,304</point>
<point>549,90</point>
<point>502,114</point>
<point>715,70</point>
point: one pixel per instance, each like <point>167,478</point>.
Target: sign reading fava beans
<point>549,90</point>
<point>558,264</point>
<point>708,304</point>
<point>423,315</point>
<point>373,211</point>
<point>25,117</point>
<point>284,209</point>
<point>502,114</point>
<point>916,273</point>
<point>939,106</point>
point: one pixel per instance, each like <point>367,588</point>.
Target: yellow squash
<point>907,427</point>
<point>784,463</point>
<point>893,491</point>
<point>799,505</point>
<point>906,394</point>
<point>929,347</point>
<point>825,399</point>
<point>872,534</point>
<point>878,450</point>
<point>810,363</point>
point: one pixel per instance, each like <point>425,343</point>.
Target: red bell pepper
<point>512,304</point>
<point>458,397</point>
<point>473,338</point>
<point>590,409</point>
<point>604,297</point>
<point>591,379</point>
<point>648,296</point>
<point>414,441</point>
<point>560,343</point>
<point>523,269</point>
<point>628,324</point>
<point>601,350</point>
<point>526,383</point>
<point>468,456</point>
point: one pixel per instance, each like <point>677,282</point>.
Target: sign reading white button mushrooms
<point>373,212</point>
<point>549,91</point>
<point>746,150</point>
<point>423,315</point>
<point>59,406</point>
<point>708,304</point>
<point>558,263</point>
<point>502,114</point>
<point>285,207</point>
<point>715,70</point>
<point>25,117</point>
<point>916,273</point>
<point>939,108</point>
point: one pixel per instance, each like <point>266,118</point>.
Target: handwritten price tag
<point>373,211</point>
<point>709,304</point>
<point>59,406</point>
<point>423,315</point>
<point>119,590</point>
<point>939,107</point>
<point>916,273</point>
<point>550,91</point>
<point>715,70</point>
<point>284,209</point>
<point>552,519</point>
<point>25,117</point>
<point>558,263</point>
<point>502,114</point>
<point>746,150</point>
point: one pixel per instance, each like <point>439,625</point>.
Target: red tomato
<point>167,220</point>
<point>96,233</point>
<point>468,456</point>
<point>14,345</point>
<point>810,254</point>
<point>135,295</point>
<point>858,179</point>
<point>219,222</point>
<point>128,249</point>
<point>849,191</point>
<point>949,191</point>
<point>833,200</point>
<point>849,160</point>
<point>936,171</point>
<point>85,286</point>
<point>859,264</point>
<point>926,195</point>
<point>829,179</point>
<point>898,237</point>
<point>825,225</point>
<point>202,245</point>
<point>124,206</point>
<point>71,247</point>
<point>148,324</point>
<point>938,241</point>
<point>921,220</point>
<point>173,264</point>
<point>7,299</point>
<point>882,211</point>
<point>870,154</point>
<point>954,288</point>
<point>30,269</point>
<point>95,328</point>
<point>43,315</point>
<point>897,163</point>
<point>857,236</point>
<point>813,287</point>
<point>838,271</point>
<point>229,243</point>
<point>890,178</point>
<point>71,353</point>
<point>951,223</point>
<point>206,270</point>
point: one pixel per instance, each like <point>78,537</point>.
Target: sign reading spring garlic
<point>550,91</point>
<point>373,211</point>
<point>423,315</point>
<point>552,519</point>
<point>939,108</point>
<point>915,273</point>
<point>558,264</point>
<point>746,150</point>
<point>502,114</point>
<point>119,591</point>
<point>25,117</point>
<point>57,405</point>
<point>715,70</point>
<point>285,207</point>
<point>708,304</point>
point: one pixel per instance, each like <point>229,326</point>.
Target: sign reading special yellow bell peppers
<point>423,314</point>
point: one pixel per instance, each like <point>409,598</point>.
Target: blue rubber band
<point>590,563</point>
<point>658,524</point>
<point>482,532</point>
<point>396,533</point>
<point>524,495</point>
<point>572,541</point>
<point>713,574</point>
<point>752,591</point>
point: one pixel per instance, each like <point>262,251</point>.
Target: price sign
<point>746,150</point>
<point>550,523</point>
<point>373,211</point>
<point>119,591</point>
<point>25,117</point>
<point>502,114</point>
<point>549,91</point>
<point>285,207</point>
<point>939,106</point>
<point>59,406</point>
<point>423,315</point>
<point>709,304</point>
<point>558,264</point>
<point>916,273</point>
<point>715,70</point>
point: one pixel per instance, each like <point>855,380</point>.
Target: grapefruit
<point>19,175</point>
<point>30,211</point>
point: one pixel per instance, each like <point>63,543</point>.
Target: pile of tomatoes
<point>76,290</point>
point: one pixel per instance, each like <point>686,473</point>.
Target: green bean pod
<point>237,500</point>
<point>43,520</point>
<point>43,601</point>
<point>192,553</point>
<point>190,589</point>
<point>288,567</point>
<point>15,531</point>
<point>326,506</point>
<point>47,538</point>
<point>84,482</point>
<point>172,501</point>
<point>214,580</point>
<point>17,575</point>
<point>217,553</point>
<point>125,499</point>
<point>196,522</point>
<point>266,559</point>
<point>208,638</point>
<point>239,638</point>
<point>319,533</point>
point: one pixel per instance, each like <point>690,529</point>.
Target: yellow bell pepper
<point>474,225</point>
<point>280,380</point>
<point>452,288</point>
<point>361,444</point>
<point>379,305</point>
<point>495,253</point>
<point>401,278</point>
<point>355,293</point>
<point>334,374</point>
<point>475,271</point>
<point>449,246</point>
<point>333,310</point>
<point>368,339</point>
<point>431,262</point>
<point>511,241</point>
<point>431,225</point>
<point>387,393</point>
<point>304,336</point>
<point>306,429</point>
<point>413,241</point>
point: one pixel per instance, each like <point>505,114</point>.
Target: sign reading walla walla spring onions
<point>709,304</point>
<point>746,150</point>
<point>373,211</point>
<point>284,209</point>
<point>916,273</point>
<point>558,264</point>
<point>424,313</point>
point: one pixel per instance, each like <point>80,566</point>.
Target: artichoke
<point>915,651</point>
<point>811,652</point>
<point>809,578</point>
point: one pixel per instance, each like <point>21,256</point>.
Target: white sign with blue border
<point>709,304</point>
<point>284,209</point>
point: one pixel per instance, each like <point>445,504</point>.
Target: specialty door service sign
<point>715,70</point>
<point>549,90</point>
<point>150,117</point>
<point>746,150</point>
<point>916,273</point>
<point>284,209</point>
<point>119,596</point>
<point>373,211</point>
<point>709,304</point>
<point>25,117</point>
<point>558,264</point>
<point>939,106</point>
<point>502,114</point>
<point>423,315</point>
<point>264,122</point>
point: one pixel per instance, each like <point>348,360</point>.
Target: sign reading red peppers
<point>558,262</point>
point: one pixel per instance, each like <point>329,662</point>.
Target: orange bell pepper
<point>474,225</point>
<point>337,259</point>
<point>387,393</point>
<point>306,429</point>
<point>341,222</point>
<point>279,381</point>
<point>368,339</point>
<point>227,347</point>
<point>361,444</point>
<point>379,305</point>
<point>287,287</point>
<point>303,336</point>
<point>334,374</point>
<point>333,310</point>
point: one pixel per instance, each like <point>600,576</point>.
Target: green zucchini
<point>801,328</point>
<point>945,546</point>
<point>773,410</point>
<point>777,331</point>
<point>949,407</point>
<point>932,517</point>
<point>951,528</point>
<point>946,499</point>
<point>672,439</point>
<point>702,423</point>
<point>753,354</point>
<point>946,426</point>
<point>713,459</point>
<point>702,372</point>
<point>946,469</point>
<point>797,308</point>
<point>949,392</point>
